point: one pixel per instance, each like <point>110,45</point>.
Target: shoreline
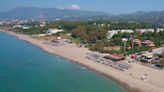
<point>124,84</point>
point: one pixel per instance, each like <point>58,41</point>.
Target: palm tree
<point>125,41</point>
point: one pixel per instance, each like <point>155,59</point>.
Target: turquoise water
<point>26,68</point>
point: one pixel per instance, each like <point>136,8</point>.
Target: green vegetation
<point>93,34</point>
<point>30,31</point>
<point>125,25</point>
<point>156,37</point>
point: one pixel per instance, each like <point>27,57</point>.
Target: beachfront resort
<point>82,46</point>
<point>131,42</point>
<point>126,55</point>
<point>124,44</point>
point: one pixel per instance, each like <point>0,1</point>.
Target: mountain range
<point>46,13</point>
<point>26,13</point>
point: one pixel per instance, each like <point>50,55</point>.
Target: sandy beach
<point>132,83</point>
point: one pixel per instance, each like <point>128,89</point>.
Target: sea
<point>27,68</point>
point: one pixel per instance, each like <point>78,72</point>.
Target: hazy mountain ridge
<point>46,13</point>
<point>141,16</point>
<point>66,14</point>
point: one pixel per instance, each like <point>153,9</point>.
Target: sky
<point>109,6</point>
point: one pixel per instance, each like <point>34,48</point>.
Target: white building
<point>111,33</point>
<point>144,30</point>
<point>43,24</point>
<point>102,25</point>
<point>160,29</point>
<point>126,31</point>
<point>21,26</point>
<point>26,27</point>
<point>53,31</point>
<point>17,26</point>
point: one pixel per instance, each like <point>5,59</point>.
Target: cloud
<point>71,7</point>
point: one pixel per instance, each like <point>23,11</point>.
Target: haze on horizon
<point>109,6</point>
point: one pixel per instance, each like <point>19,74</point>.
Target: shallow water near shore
<point>26,68</point>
